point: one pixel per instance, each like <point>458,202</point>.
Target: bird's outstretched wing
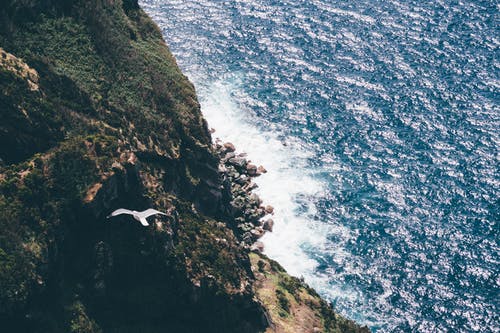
<point>148,213</point>
<point>143,221</point>
<point>121,211</point>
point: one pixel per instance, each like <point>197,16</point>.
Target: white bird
<point>139,216</point>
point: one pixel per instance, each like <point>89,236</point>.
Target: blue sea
<point>379,124</point>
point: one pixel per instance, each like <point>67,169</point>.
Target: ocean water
<point>379,123</point>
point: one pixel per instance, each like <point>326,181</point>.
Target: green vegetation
<point>293,306</point>
<point>211,250</point>
<point>80,322</point>
<point>283,302</point>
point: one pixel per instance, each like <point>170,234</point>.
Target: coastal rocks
<point>251,169</point>
<point>245,207</point>
<point>238,162</point>
<point>268,225</point>
<point>257,247</point>
<point>257,232</point>
<point>229,147</point>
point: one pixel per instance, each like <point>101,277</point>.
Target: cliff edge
<point>95,115</point>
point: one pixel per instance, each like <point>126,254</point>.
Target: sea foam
<point>286,181</point>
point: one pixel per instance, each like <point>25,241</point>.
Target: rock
<point>117,166</point>
<point>232,174</point>
<point>251,169</point>
<point>260,212</point>
<point>237,206</point>
<point>257,247</point>
<point>268,225</point>
<point>261,170</point>
<point>242,180</point>
<point>255,219</point>
<point>221,240</point>
<point>255,199</point>
<point>222,168</point>
<point>251,215</point>
<point>240,221</point>
<point>237,190</point>
<point>229,147</point>
<point>132,159</point>
<point>247,227</point>
<point>250,186</point>
<point>257,232</point>
<point>239,162</point>
<point>269,209</point>
<point>247,238</point>
<point>228,156</point>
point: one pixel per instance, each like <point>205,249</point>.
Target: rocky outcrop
<point>246,211</point>
<point>293,305</point>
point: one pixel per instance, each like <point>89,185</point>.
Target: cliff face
<point>95,115</point>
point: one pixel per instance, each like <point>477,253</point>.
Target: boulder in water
<point>261,170</point>
<point>251,169</point>
<point>257,247</point>
<point>269,209</point>
<point>238,162</point>
<point>268,225</point>
<point>229,147</point>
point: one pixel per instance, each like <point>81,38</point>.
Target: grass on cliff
<point>35,196</point>
<point>209,249</point>
<point>122,69</point>
<point>293,306</point>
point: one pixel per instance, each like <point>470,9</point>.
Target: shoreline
<point>251,219</point>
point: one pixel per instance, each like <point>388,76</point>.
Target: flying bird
<point>139,216</point>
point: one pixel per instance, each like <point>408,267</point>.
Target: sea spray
<point>285,181</point>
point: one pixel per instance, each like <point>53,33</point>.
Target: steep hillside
<point>96,115</point>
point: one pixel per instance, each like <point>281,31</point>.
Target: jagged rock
<point>257,247</point>
<point>250,187</point>
<point>245,227</point>
<point>228,156</point>
<point>237,189</point>
<point>242,180</point>
<point>257,232</point>
<point>255,199</point>
<point>251,169</point>
<point>269,209</point>
<point>268,225</point>
<point>247,238</point>
<point>261,170</point>
<point>229,147</point>
<point>222,169</point>
<point>238,162</point>
<point>240,221</point>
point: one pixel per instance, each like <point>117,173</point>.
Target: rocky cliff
<point>96,115</point>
